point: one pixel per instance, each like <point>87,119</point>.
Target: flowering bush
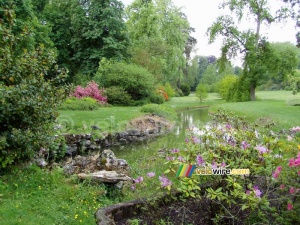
<point>269,194</point>
<point>91,90</point>
<point>161,91</point>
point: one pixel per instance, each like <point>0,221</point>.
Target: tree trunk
<point>252,92</point>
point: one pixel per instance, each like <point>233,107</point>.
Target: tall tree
<point>159,21</point>
<point>84,31</point>
<point>250,43</point>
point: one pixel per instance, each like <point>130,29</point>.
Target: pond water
<point>187,118</point>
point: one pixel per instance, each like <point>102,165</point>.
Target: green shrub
<point>226,87</point>
<point>28,100</point>
<point>118,96</point>
<point>160,110</point>
<point>135,80</point>
<point>169,89</point>
<point>83,104</point>
<point>201,92</point>
<point>185,88</point>
<point>156,98</point>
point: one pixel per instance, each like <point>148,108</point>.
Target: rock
<point>134,132</point>
<point>103,176</point>
<point>40,162</point>
<point>95,127</point>
<point>71,150</point>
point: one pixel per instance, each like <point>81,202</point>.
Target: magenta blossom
<point>133,187</point>
<point>228,126</point>
<point>292,190</point>
<point>245,145</point>
<point>257,191</point>
<point>200,161</point>
<point>281,187</point>
<point>139,180</point>
<point>150,174</point>
<point>261,149</point>
<point>164,181</point>
<point>223,164</point>
<point>247,192</point>
<point>175,151</point>
<point>289,206</point>
<point>214,165</point>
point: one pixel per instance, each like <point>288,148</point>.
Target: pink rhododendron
<point>92,91</point>
<point>292,190</point>
<point>289,206</point>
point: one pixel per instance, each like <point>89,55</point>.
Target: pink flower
<point>292,190</point>
<point>164,181</point>
<point>196,140</point>
<point>150,174</point>
<point>245,145</point>
<point>275,175</point>
<point>257,191</point>
<point>261,149</point>
<point>139,180</point>
<point>223,164</point>
<point>247,192</point>
<point>289,206</point>
<point>214,165</point>
<point>297,162</point>
<point>133,187</point>
<point>281,186</point>
<point>228,126</point>
<point>200,161</point>
<point>279,168</point>
<point>291,162</point>
<point>175,151</point>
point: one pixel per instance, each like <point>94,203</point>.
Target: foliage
<point>258,54</point>
<point>118,96</point>
<point>92,91</point>
<point>169,90</point>
<point>226,87</point>
<point>201,92</point>
<point>29,99</point>
<point>185,88</point>
<point>84,103</point>
<point>160,110</point>
<point>156,98</point>
<point>161,91</point>
<point>97,31</point>
<point>159,32</point>
<point>135,80</point>
<point>231,143</point>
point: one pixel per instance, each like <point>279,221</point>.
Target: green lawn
<point>110,119</point>
<point>270,104</point>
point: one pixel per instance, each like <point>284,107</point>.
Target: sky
<point>202,13</point>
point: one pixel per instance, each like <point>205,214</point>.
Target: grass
<point>33,196</point>
<point>110,119</point>
<point>271,105</point>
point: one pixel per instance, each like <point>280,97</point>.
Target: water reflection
<point>187,118</point>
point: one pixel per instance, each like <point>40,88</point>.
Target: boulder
<point>103,176</point>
